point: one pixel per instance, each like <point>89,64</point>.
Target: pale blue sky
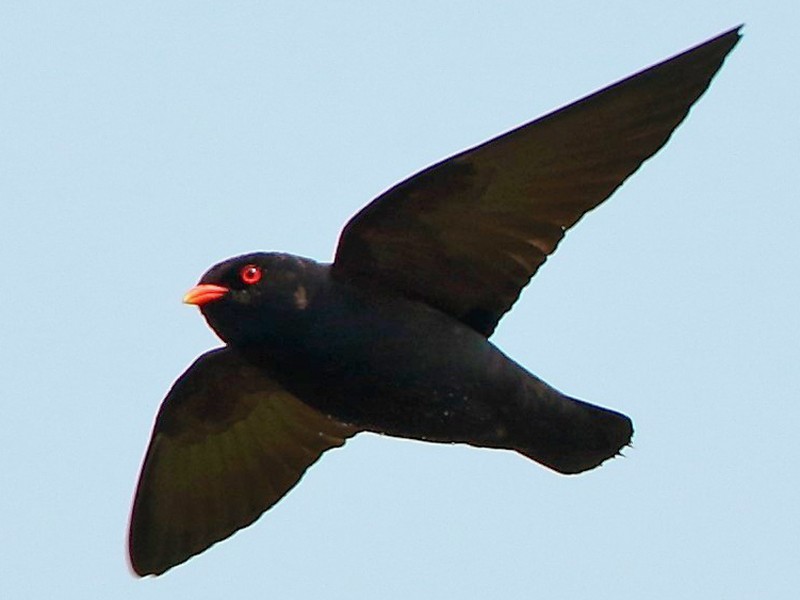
<point>140,142</point>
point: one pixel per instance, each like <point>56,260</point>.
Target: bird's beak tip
<point>204,293</point>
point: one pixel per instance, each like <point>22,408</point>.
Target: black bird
<point>392,337</point>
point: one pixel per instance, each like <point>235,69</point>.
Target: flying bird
<point>392,337</point>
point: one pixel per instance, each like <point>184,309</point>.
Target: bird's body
<point>392,337</point>
<point>397,366</point>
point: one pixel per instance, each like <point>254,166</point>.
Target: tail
<point>568,435</point>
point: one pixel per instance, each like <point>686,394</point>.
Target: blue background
<point>141,142</point>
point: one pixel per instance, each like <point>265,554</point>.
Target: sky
<point>142,142</point>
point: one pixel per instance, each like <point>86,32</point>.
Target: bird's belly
<point>411,372</point>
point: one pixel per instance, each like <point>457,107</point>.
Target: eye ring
<point>250,274</point>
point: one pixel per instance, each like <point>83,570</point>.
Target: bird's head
<point>251,297</point>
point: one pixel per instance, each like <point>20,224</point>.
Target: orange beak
<point>204,293</point>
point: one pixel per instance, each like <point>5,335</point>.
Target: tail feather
<point>568,435</point>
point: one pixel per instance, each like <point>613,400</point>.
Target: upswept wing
<point>228,443</point>
<point>467,234</point>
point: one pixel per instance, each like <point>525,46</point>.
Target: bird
<point>392,337</point>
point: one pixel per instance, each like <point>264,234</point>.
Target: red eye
<point>250,274</point>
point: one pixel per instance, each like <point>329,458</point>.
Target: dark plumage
<point>392,337</point>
